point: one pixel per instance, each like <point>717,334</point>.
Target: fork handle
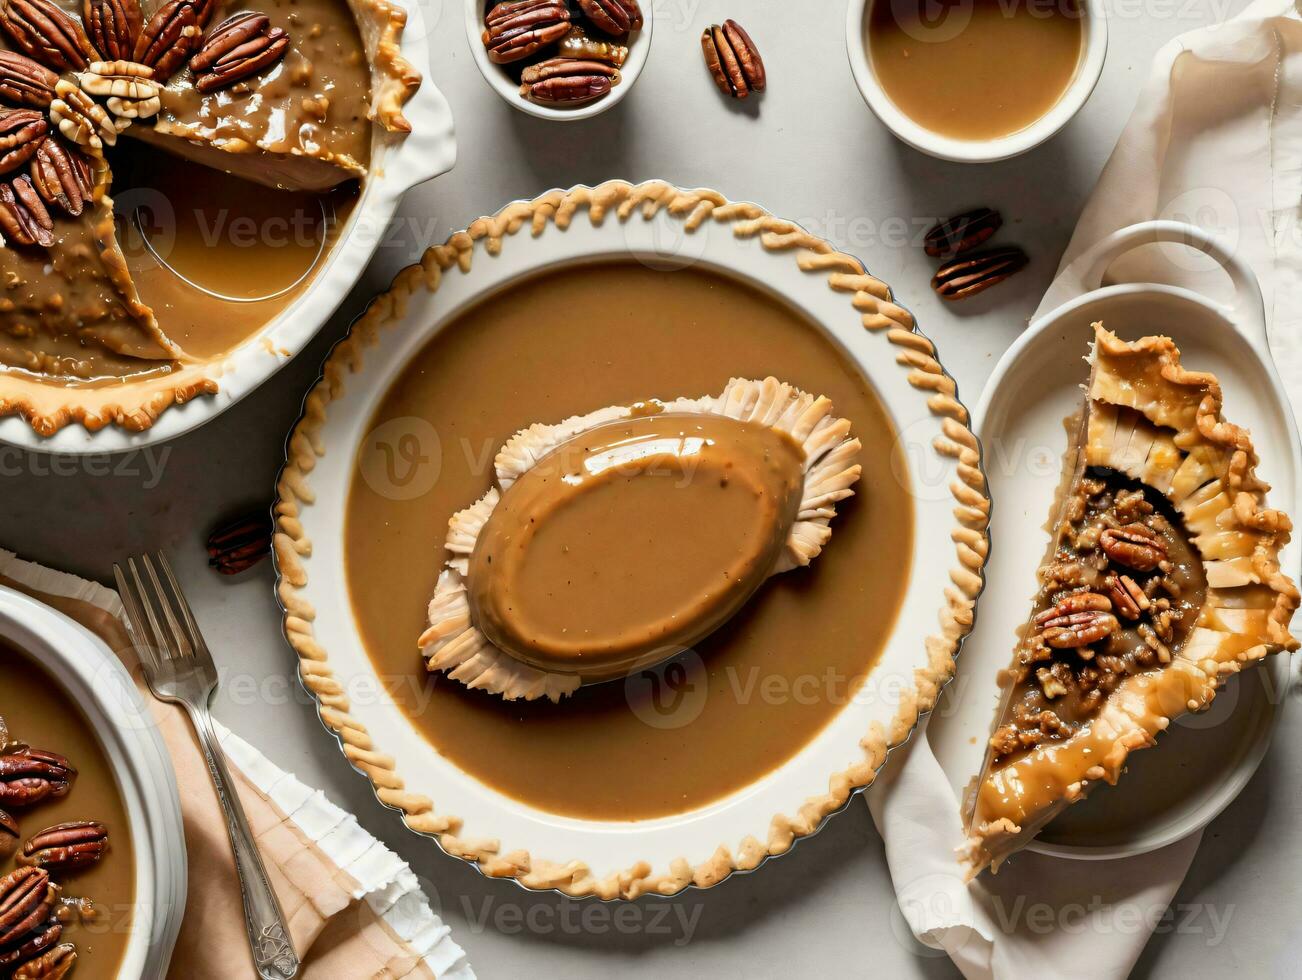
<point>273,952</point>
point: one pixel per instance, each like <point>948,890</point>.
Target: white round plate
<point>94,678</point>
<point>653,222</point>
<point>397,165</point>
<point>1200,765</point>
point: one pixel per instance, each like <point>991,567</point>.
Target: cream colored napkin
<point>1215,140</point>
<point>355,909</point>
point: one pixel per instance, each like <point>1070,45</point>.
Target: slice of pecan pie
<point>1161,581</point>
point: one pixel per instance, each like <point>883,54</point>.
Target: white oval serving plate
<point>652,221</point>
<point>1203,762</point>
<point>398,163</point>
<point>95,679</point>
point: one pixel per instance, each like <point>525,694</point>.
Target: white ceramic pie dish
<point>498,79</point>
<point>1204,761</point>
<point>1088,71</point>
<point>737,833</point>
<point>95,679</point>
<point>398,163</point>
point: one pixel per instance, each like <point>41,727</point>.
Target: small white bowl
<point>94,678</point>
<point>1088,70</point>
<point>500,80</point>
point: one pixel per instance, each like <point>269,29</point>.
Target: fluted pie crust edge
<point>482,240</point>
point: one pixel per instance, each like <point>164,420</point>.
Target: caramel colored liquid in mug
<point>974,69</point>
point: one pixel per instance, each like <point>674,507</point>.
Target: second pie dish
<point>187,189</point>
<point>701,327</point>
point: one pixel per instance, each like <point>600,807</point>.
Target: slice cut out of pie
<point>1162,580</point>
<point>290,94</point>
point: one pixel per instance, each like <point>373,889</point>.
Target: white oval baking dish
<point>94,678</point>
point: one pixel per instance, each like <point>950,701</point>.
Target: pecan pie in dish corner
<point>235,137</point>
<point>1162,580</point>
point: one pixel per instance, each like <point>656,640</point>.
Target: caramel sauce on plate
<point>750,695</point>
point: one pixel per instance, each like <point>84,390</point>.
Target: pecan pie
<point>1162,580</point>
<point>291,94</point>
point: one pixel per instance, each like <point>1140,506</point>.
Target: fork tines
<point>157,610</point>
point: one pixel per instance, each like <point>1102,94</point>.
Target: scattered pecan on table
<point>238,546</point>
<point>734,61</point>
<point>976,272</point>
<point>961,233</point>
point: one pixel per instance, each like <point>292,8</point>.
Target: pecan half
<point>8,835</point>
<point>44,31</point>
<point>80,118</point>
<point>173,34</point>
<point>733,60</point>
<point>581,46</point>
<point>130,87</point>
<point>564,81</point>
<point>62,175</point>
<point>27,897</point>
<point>1127,596</point>
<point>616,17</point>
<point>114,27</point>
<point>238,546</point>
<point>37,943</point>
<point>240,46</point>
<point>66,847</point>
<point>518,28</point>
<point>1136,546</point>
<point>51,965</point>
<point>24,81</point>
<point>28,776</point>
<point>961,233</point>
<point>1077,620</point>
<point>21,133</point>
<point>971,274</point>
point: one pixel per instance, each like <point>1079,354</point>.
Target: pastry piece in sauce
<point>614,540</point>
<point>1162,580</point>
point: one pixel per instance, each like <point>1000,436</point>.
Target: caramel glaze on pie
<point>241,193</point>
<point>38,712</point>
<point>758,688</point>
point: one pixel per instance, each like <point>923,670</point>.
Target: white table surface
<point>812,152</point>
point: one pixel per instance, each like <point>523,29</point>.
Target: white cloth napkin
<point>1215,140</point>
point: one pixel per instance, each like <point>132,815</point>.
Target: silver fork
<point>180,669</point>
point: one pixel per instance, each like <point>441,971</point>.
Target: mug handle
<point>1247,311</point>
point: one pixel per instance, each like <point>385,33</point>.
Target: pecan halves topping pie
<point>1162,580</point>
<point>291,95</point>
<point>695,503</point>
